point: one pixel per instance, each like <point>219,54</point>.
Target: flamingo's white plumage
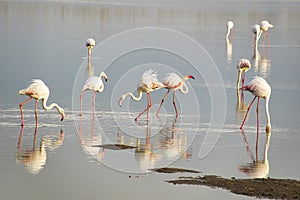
<point>173,82</point>
<point>260,89</point>
<point>147,84</point>
<point>39,91</point>
<point>95,84</point>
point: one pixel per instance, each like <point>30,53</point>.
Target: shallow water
<point>63,160</point>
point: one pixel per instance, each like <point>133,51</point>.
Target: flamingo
<point>94,83</point>
<point>260,89</point>
<point>90,44</point>
<point>147,84</point>
<point>230,25</point>
<point>257,32</point>
<point>264,26</point>
<point>38,90</point>
<point>173,82</point>
<point>243,66</point>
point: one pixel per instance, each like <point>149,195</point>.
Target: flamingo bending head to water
<point>147,84</point>
<point>173,82</point>
<point>264,26</point>
<point>95,84</point>
<point>38,90</point>
<point>257,32</point>
<point>260,89</point>
<point>229,26</point>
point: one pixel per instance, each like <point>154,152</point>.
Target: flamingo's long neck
<point>239,79</point>
<point>258,34</point>
<point>44,104</point>
<point>184,89</point>
<point>228,32</point>
<point>89,57</point>
<point>139,97</point>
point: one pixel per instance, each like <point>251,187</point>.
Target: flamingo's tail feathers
<point>22,91</point>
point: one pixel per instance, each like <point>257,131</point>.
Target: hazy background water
<point>46,41</point>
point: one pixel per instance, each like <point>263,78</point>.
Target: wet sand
<point>270,188</point>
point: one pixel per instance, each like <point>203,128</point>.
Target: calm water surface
<point>69,160</point>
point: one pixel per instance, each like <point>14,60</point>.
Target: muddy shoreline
<point>270,188</point>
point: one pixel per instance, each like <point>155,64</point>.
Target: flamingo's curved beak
<point>190,76</point>
<point>62,117</point>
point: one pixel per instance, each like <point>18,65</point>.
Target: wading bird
<point>257,33</point>
<point>230,26</point>
<point>264,26</point>
<point>38,90</point>
<point>147,84</point>
<point>260,89</point>
<point>173,82</point>
<point>94,83</point>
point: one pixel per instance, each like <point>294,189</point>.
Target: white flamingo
<point>95,84</point>
<point>173,82</point>
<point>229,26</point>
<point>257,33</point>
<point>147,84</point>
<point>38,90</point>
<point>260,89</point>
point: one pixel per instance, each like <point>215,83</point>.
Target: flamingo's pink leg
<point>174,103</point>
<point>148,106</point>
<point>81,102</point>
<point>93,102</point>
<point>241,127</point>
<point>162,101</point>
<point>36,113</point>
<point>21,105</point>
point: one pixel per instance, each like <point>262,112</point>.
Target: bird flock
<point>149,82</point>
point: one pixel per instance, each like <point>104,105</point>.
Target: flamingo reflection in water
<point>169,144</point>
<point>145,155</point>
<point>34,159</point>
<point>174,141</point>
<point>89,140</point>
<point>257,168</point>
